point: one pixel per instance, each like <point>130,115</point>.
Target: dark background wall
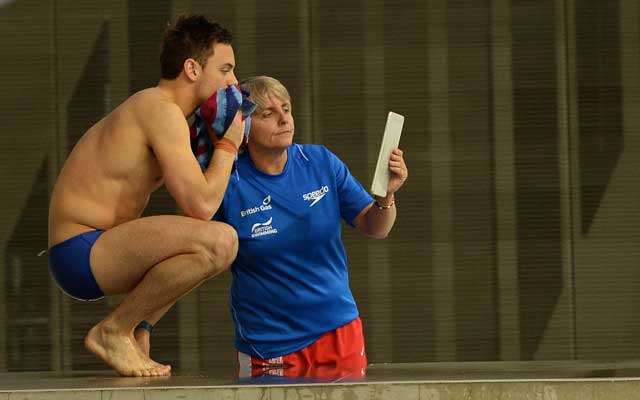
<point>518,231</point>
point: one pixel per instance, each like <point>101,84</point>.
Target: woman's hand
<point>398,172</point>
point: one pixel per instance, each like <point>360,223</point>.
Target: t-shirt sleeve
<point>352,196</point>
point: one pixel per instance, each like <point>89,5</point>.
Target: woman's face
<point>272,126</point>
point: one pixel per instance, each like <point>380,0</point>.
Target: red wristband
<point>227,145</point>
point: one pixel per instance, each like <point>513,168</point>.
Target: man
<point>100,245</point>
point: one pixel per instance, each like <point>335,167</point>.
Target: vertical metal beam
<point>304,102</point>
<point>567,131</point>
<point>440,154</point>
<point>630,81</point>
<point>313,77</point>
<point>54,166</point>
<point>61,306</point>
<point>244,37</point>
<point>189,332</point>
<point>505,190</point>
<point>375,110</point>
<point>630,64</point>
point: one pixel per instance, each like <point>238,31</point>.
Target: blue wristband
<point>146,325</point>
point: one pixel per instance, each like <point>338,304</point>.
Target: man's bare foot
<point>143,338</point>
<point>121,352</point>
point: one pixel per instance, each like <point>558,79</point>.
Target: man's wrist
<point>226,145</point>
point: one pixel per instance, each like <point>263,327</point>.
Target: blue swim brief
<point>69,265</point>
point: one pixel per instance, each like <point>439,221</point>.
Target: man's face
<point>272,126</point>
<point>218,71</point>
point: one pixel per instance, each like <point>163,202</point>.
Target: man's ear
<point>191,69</point>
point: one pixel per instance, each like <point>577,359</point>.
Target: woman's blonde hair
<point>262,87</point>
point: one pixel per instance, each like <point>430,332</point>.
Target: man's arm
<point>198,195</point>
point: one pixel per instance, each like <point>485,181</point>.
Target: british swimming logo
<point>263,228</point>
<point>316,195</point>
<point>266,205</point>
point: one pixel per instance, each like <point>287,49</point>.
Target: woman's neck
<point>268,161</point>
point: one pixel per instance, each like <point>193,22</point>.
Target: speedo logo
<point>266,205</point>
<point>316,195</point>
<point>263,228</point>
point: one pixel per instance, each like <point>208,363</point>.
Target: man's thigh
<point>123,254</point>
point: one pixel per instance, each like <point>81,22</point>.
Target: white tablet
<point>390,141</point>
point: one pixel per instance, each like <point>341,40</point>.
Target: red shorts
<point>337,353</point>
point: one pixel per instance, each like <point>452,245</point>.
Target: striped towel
<point>218,113</point>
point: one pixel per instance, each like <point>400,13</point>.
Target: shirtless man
<point>100,245</point>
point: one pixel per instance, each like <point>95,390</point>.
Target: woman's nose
<point>284,118</point>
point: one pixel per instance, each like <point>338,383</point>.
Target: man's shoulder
<point>152,100</point>
<point>154,112</point>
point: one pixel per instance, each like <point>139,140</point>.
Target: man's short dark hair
<point>190,36</point>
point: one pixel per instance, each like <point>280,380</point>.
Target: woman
<point>290,298</point>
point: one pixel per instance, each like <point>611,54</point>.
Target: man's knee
<point>220,247</point>
<point>226,247</point>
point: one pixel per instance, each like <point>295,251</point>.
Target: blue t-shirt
<point>290,280</point>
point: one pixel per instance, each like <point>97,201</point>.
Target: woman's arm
<point>377,219</point>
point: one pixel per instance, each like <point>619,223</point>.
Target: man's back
<point>111,172</point>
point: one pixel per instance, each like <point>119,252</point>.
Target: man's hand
<point>398,171</point>
<point>235,133</point>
